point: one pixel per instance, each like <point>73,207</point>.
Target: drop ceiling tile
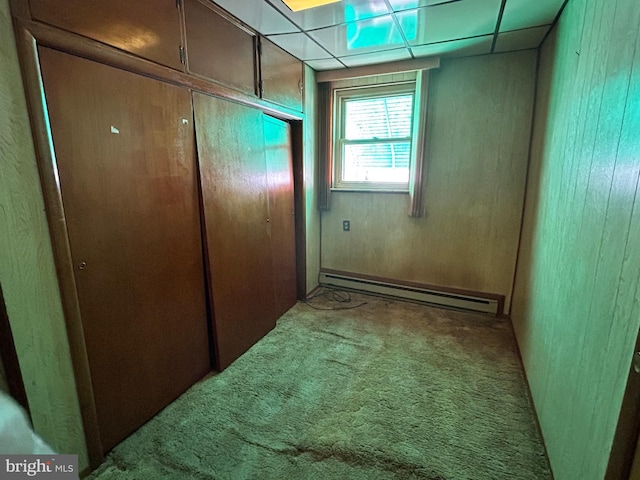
<point>525,13</point>
<point>300,46</point>
<point>380,33</point>
<point>399,5</point>
<point>456,48</point>
<point>450,21</point>
<point>327,64</point>
<point>334,13</point>
<point>521,39</point>
<point>258,15</point>
<point>376,57</point>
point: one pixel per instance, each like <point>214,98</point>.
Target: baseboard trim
<point>453,298</point>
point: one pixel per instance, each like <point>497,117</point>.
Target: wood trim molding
<point>43,143</point>
<point>379,69</point>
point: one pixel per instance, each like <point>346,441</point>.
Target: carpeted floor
<point>389,390</point>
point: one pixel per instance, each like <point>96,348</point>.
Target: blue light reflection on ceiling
<point>378,31</point>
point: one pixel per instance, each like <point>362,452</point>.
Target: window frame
<point>345,94</point>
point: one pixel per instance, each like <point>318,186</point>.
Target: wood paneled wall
<point>478,138</point>
<point>576,305</point>
<point>27,270</point>
<point>310,167</point>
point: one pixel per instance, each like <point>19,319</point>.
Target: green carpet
<point>389,390</point>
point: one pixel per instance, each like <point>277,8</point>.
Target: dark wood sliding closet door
<point>277,140</point>
<point>235,201</point>
<point>124,146</point>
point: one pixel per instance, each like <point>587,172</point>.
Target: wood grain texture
<point>277,152</point>
<point>477,142</point>
<point>310,173</point>
<point>148,29</point>
<point>576,306</point>
<point>126,161</point>
<point>235,206</point>
<point>281,75</point>
<point>27,270</point>
<point>210,37</point>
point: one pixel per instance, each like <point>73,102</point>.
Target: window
<point>373,137</point>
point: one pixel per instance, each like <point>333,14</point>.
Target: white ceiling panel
<point>380,33</point>
<point>526,13</point>
<point>361,32</point>
<point>521,39</point>
<point>376,57</point>
<point>328,64</point>
<point>300,46</point>
<point>399,5</point>
<point>450,21</point>
<point>258,15</point>
<point>334,13</point>
<point>456,48</point>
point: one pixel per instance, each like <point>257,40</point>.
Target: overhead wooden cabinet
<point>147,28</point>
<point>277,149</point>
<point>124,146</point>
<point>281,76</point>
<point>219,49</point>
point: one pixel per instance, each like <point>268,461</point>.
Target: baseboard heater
<point>447,298</point>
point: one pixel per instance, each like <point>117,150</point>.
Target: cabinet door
<point>234,196</point>
<point>218,49</point>
<point>281,76</point>
<point>277,138</point>
<point>124,146</point>
<point>147,28</point>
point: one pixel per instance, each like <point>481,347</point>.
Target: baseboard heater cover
<point>409,292</point>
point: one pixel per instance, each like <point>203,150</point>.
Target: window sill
<point>368,190</point>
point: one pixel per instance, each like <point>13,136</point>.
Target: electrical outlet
<point>346,225</point>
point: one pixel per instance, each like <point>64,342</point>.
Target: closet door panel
<point>147,28</point>
<point>124,146</point>
<point>234,196</point>
<point>277,136</point>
